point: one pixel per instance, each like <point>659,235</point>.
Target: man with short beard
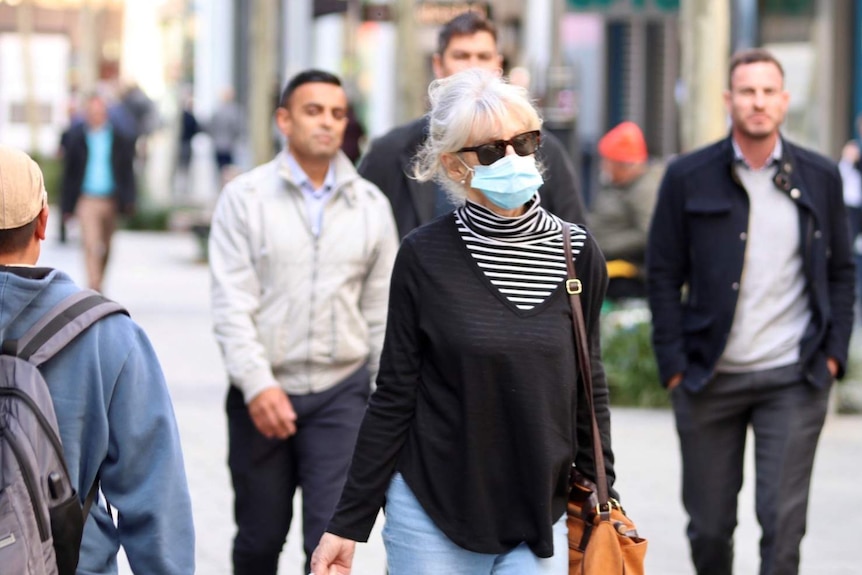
<point>754,227</point>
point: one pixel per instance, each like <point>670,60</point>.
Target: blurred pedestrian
<point>300,251</point>
<point>189,128</point>
<point>755,227</point>
<point>134,113</point>
<point>467,41</point>
<point>477,417</point>
<point>851,179</point>
<point>226,127</point>
<point>113,411</point>
<point>98,184</point>
<point>620,214</point>
<point>74,118</point>
<point>141,108</point>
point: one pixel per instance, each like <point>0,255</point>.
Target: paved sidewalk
<point>156,277</point>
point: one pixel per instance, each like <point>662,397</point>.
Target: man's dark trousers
<point>786,415</point>
<point>266,472</point>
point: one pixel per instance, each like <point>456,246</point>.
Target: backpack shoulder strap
<point>63,323</point>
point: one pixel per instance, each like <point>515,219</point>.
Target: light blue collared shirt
<point>774,158</point>
<point>315,198</point>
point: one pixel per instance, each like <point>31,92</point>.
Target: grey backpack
<point>41,518</point>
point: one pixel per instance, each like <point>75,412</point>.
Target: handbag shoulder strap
<point>573,287</point>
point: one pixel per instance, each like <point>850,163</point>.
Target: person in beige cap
<point>621,210</point>
<point>22,191</point>
<point>110,399</point>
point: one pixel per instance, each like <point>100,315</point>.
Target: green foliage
<point>150,218</point>
<point>52,171</point>
<point>629,361</point>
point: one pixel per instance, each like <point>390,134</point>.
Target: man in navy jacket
<point>98,183</point>
<point>751,284</point>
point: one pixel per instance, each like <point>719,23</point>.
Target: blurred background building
<point>592,63</point>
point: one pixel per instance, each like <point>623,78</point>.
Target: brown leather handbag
<point>602,539</point>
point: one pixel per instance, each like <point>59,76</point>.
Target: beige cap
<point>22,189</point>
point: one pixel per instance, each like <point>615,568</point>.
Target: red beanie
<point>625,143</point>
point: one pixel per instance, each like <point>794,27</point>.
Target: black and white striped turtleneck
<point>521,256</point>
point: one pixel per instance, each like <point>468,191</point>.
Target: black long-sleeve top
<point>476,403</point>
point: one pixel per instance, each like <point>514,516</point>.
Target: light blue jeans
<point>415,546</point>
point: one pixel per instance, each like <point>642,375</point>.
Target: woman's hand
<point>333,556</point>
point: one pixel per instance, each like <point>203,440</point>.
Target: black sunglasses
<point>523,144</point>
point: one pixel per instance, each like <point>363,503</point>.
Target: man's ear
<point>283,120</point>
<point>42,223</point>
<point>437,66</point>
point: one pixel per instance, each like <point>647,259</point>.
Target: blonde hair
<point>473,102</point>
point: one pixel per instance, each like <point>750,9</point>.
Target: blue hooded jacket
<point>116,422</point>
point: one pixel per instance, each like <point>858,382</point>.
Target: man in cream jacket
<point>301,250</point>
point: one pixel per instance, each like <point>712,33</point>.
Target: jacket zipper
<point>315,264</point>
<point>29,483</point>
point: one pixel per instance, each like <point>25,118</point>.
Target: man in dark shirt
<point>467,41</point>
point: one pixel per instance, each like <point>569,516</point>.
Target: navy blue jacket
<point>697,239</point>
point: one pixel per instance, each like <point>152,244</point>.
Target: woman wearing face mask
<point>477,417</point>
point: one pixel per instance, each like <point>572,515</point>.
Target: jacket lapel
<point>798,191</point>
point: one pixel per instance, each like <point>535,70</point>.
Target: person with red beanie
<point>621,211</point>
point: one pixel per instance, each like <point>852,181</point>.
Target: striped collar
<point>534,225</point>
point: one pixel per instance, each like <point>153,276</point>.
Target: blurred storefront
<point>48,50</point>
<point>53,52</point>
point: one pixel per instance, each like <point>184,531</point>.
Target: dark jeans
<point>786,417</point>
<point>266,472</point>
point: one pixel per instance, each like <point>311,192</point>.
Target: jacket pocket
<point>348,330</point>
<point>707,206</point>
<point>273,330</point>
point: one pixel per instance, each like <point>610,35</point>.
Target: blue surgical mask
<point>510,182</point>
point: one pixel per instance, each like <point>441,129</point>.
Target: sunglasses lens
<point>523,144</point>
<point>526,144</point>
<point>489,153</point>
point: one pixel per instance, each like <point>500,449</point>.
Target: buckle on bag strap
<point>573,286</point>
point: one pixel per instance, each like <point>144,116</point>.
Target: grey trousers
<point>786,416</point>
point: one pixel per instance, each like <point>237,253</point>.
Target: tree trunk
<point>263,89</point>
<point>705,43</point>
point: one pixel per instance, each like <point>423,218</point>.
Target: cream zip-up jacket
<point>291,309</point>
